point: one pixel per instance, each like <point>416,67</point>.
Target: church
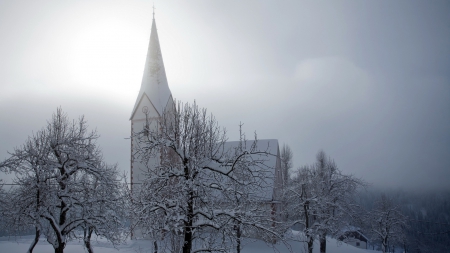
<point>155,98</point>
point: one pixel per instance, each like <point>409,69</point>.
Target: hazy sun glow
<point>108,55</point>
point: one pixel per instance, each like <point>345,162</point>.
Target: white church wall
<point>144,111</point>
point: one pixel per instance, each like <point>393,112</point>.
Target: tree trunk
<point>36,240</point>
<point>187,245</point>
<point>323,243</point>
<point>384,245</point>
<point>87,239</point>
<point>238,237</point>
<point>62,220</point>
<point>60,248</point>
<point>88,246</point>
<point>38,230</point>
<point>155,246</point>
<point>310,240</point>
<point>309,237</point>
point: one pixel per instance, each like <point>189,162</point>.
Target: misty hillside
<point>428,217</point>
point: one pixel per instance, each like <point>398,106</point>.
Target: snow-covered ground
<point>21,244</point>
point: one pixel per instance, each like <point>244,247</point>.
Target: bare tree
<point>386,222</point>
<point>201,188</point>
<point>53,170</point>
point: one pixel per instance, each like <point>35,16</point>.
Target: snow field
<point>21,244</point>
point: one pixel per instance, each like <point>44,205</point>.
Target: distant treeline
<point>428,215</point>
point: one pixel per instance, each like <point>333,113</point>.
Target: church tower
<point>153,99</point>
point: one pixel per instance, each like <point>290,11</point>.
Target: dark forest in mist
<point>428,215</point>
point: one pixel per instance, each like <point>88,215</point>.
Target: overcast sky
<point>366,81</point>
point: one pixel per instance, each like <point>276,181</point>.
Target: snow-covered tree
<point>103,198</point>
<point>301,201</point>
<point>63,184</point>
<point>286,161</point>
<point>202,189</point>
<point>286,157</point>
<point>3,207</point>
<point>322,198</point>
<point>2,196</point>
<point>336,194</point>
<point>25,202</point>
<point>386,223</point>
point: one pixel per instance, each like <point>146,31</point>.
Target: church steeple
<point>154,81</point>
<point>153,12</point>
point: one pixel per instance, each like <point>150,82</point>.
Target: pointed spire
<point>153,11</point>
<point>154,81</point>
